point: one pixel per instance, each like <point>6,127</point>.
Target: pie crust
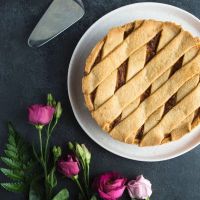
<point>141,82</point>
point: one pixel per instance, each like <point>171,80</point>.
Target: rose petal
<point>40,114</point>
<point>69,167</point>
<point>104,195</point>
<point>139,188</point>
<point>110,185</point>
<point>115,194</point>
<point>114,185</point>
<point>141,179</point>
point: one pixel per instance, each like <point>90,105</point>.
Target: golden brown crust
<point>137,75</point>
<point>122,52</point>
<point>93,55</point>
<point>182,110</point>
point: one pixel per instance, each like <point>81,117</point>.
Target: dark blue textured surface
<point>27,75</point>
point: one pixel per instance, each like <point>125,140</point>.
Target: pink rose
<point>139,188</point>
<point>40,114</point>
<point>110,186</point>
<point>69,166</point>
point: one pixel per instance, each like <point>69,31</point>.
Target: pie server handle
<point>60,15</point>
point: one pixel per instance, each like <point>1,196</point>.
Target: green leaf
<point>21,146</point>
<point>11,137</point>
<point>19,160</point>
<point>11,154</point>
<point>36,190</point>
<point>11,148</point>
<point>11,163</point>
<point>15,175</point>
<point>13,187</point>
<point>52,181</point>
<point>11,140</point>
<point>62,195</point>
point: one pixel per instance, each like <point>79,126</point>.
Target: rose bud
<point>40,114</point>
<point>58,111</point>
<point>57,151</point>
<point>87,154</point>
<point>110,186</point>
<point>139,188</point>
<point>69,166</point>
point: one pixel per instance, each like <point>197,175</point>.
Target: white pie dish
<point>95,33</point>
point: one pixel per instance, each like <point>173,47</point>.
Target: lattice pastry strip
<point>107,87</point>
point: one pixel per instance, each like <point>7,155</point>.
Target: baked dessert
<point>141,82</point>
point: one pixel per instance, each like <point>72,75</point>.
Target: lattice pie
<point>141,82</point>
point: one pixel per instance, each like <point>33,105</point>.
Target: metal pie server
<point>60,15</point>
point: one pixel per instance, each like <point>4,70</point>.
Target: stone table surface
<point>27,75</point>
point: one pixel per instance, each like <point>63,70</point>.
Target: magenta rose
<point>139,188</point>
<point>110,186</point>
<point>69,166</point>
<point>40,114</point>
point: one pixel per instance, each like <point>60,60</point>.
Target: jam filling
<point>121,75</point>
<point>139,134</point>
<point>170,104</point>
<point>196,114</point>
<point>145,94</point>
<point>177,66</point>
<point>115,122</point>
<point>152,47</point>
<point>172,101</point>
<point>129,31</point>
<point>92,95</point>
<point>98,58</point>
<point>168,135</point>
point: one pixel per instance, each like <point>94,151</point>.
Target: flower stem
<point>46,147</point>
<point>88,176</point>
<point>43,163</point>
<point>41,145</point>
<point>54,125</point>
<point>34,152</point>
<point>85,176</point>
<point>86,180</point>
<point>47,141</point>
<point>75,179</point>
<point>49,132</point>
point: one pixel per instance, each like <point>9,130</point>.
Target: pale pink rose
<point>139,188</point>
<point>40,114</point>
